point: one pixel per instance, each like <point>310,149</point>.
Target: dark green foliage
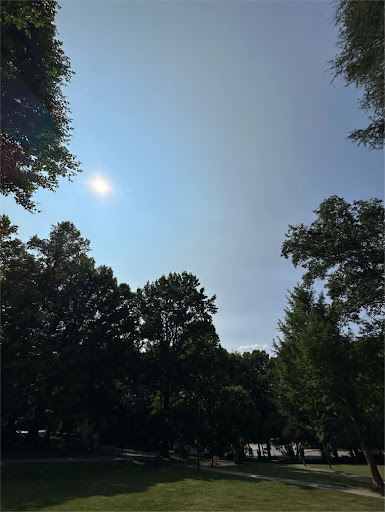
<point>336,378</point>
<point>234,420</point>
<point>176,332</point>
<point>69,334</point>
<point>250,370</point>
<point>312,356</point>
<point>35,127</point>
<point>344,247</point>
<point>21,319</point>
<point>82,353</point>
<point>360,62</point>
<point>321,374</point>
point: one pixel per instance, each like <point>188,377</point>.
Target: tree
<point>344,247</point>
<point>21,318</point>
<point>176,314</point>
<point>90,331</point>
<point>322,375</point>
<point>35,127</point>
<point>250,371</point>
<point>235,419</point>
<point>360,62</point>
<point>69,333</point>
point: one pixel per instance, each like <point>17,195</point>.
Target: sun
<point>100,186</point>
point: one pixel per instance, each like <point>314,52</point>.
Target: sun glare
<point>100,186</point>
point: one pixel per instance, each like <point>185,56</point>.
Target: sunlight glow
<point>100,186</point>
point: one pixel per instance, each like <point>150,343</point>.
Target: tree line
<point>82,353</point>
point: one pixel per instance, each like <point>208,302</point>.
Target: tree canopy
<point>325,370</point>
<point>344,248</point>
<point>83,354</point>
<point>176,318</point>
<point>35,123</point>
<point>360,62</point>
<point>325,375</point>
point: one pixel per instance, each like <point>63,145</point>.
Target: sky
<point>216,126</point>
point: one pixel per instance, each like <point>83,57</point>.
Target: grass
<point>302,473</point>
<point>133,486</point>
<point>352,469</point>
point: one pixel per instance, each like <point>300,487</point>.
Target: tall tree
<point>21,319</point>
<point>69,332</point>
<point>344,247</point>
<point>90,330</point>
<point>322,375</point>
<point>35,123</point>
<point>235,419</point>
<point>360,62</point>
<point>176,314</point>
<point>250,370</point>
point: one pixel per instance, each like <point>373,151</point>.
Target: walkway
<point>291,481</point>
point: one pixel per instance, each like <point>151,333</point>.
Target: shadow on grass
<point>35,486</point>
<point>308,475</point>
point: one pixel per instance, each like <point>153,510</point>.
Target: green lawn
<point>352,469</point>
<point>302,473</point>
<point>133,486</point>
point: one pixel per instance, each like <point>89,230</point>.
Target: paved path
<point>291,481</point>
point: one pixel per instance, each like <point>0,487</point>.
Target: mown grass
<point>133,486</point>
<point>295,472</point>
<point>352,469</point>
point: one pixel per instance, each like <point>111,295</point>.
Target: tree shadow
<point>35,486</point>
<point>337,478</point>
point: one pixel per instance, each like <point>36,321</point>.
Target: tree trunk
<point>377,479</point>
<point>37,423</point>
<point>352,455</point>
<point>33,436</point>
<point>296,452</point>
<point>238,452</point>
<point>47,435</point>
<point>268,450</point>
<point>326,451</point>
<point>164,450</point>
<point>290,452</point>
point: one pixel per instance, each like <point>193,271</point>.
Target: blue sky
<point>216,125</point>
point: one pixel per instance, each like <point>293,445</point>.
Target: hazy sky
<point>216,126</point>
